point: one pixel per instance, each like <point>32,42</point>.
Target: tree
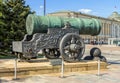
<point>12,21</point>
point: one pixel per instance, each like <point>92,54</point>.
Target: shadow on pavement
<point>114,62</point>
<point>3,80</point>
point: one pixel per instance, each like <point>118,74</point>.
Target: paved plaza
<point>111,75</point>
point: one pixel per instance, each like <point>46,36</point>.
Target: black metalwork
<point>72,47</point>
<point>51,44</point>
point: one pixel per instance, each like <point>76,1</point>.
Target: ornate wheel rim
<point>51,53</point>
<point>72,47</point>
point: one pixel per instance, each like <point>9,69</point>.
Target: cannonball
<point>102,58</point>
<point>95,52</point>
<point>88,58</point>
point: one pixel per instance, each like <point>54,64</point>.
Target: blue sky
<point>102,8</point>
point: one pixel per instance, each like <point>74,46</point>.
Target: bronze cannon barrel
<point>40,24</point>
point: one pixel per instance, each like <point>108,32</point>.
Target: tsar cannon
<point>55,37</point>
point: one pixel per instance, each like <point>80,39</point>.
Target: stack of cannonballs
<point>95,54</point>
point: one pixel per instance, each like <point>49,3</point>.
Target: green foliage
<point>13,14</point>
<point>7,56</point>
<point>0,1</point>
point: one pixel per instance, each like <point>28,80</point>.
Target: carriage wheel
<point>51,53</point>
<point>72,47</point>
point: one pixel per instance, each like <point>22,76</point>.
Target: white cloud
<point>41,6</point>
<point>86,11</point>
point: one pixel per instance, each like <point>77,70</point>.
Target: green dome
<point>115,16</point>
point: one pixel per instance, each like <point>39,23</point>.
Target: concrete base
<point>36,68</point>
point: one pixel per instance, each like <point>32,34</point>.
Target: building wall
<point>110,28</point>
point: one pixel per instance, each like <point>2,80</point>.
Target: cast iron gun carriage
<point>55,36</point>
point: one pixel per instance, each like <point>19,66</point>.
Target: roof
<point>67,11</point>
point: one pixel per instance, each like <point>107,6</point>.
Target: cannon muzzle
<point>40,24</point>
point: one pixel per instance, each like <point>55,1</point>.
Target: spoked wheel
<point>21,57</point>
<point>51,53</point>
<point>72,47</point>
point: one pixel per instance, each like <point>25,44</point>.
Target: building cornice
<point>88,15</point>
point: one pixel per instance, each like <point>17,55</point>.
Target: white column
<point>103,28</point>
<point>113,30</point>
<point>110,30</point>
<point>101,32</point>
<point>119,31</point>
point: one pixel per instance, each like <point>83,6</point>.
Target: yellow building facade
<point>110,26</point>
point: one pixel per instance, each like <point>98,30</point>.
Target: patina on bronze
<point>55,36</point>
